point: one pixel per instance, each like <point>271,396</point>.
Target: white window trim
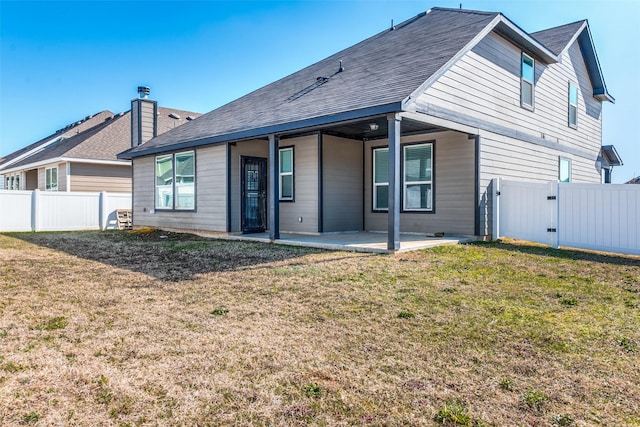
<point>406,184</point>
<point>379,184</point>
<point>282,174</point>
<point>572,125</point>
<point>48,171</point>
<point>524,81</point>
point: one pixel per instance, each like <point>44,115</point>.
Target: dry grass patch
<point>156,328</point>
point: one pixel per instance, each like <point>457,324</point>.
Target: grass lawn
<point>130,328</point>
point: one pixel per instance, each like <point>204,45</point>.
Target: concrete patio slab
<point>355,242</point>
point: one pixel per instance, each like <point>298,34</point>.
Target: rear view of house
<point>400,133</point>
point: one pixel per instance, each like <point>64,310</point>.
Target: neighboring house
<point>83,155</point>
<point>402,132</point>
<point>635,180</point>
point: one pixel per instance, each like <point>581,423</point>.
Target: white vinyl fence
<point>603,217</point>
<point>60,211</point>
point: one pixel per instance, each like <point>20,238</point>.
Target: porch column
<point>274,197</point>
<point>393,230</point>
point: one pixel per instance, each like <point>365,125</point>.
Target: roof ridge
<point>470,11</point>
<point>580,21</point>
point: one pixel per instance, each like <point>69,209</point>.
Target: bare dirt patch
<point>167,329</point>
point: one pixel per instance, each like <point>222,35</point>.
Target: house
<point>83,155</point>
<point>400,133</point>
<point>635,180</point>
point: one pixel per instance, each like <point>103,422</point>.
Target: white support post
<point>35,201</point>
<point>103,215</point>
<point>495,206</point>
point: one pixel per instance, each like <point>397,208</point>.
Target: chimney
<point>144,117</point>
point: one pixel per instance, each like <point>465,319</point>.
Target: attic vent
<point>319,82</point>
<point>174,116</point>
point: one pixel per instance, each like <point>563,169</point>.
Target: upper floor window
<point>527,81</point>
<point>175,181</point>
<point>51,179</point>
<point>286,173</point>
<point>573,106</point>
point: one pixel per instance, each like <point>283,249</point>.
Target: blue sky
<point>61,61</point>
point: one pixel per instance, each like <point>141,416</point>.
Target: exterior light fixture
<point>373,126</point>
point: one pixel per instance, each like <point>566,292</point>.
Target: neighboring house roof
<point>560,38</point>
<point>635,180</point>
<point>381,74</point>
<point>610,155</point>
<point>109,135</point>
<point>69,130</point>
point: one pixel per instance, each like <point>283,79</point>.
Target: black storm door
<point>254,194</point>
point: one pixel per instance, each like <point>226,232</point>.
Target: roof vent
<point>190,118</point>
<point>174,116</point>
<point>143,92</point>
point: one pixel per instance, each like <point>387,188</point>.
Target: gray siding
<point>490,78</point>
<point>31,179</point>
<point>305,176</point>
<point>92,177</point>
<point>211,194</point>
<point>454,188</point>
<point>342,185</point>
<point>485,84</point>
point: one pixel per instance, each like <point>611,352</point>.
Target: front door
<point>254,194</point>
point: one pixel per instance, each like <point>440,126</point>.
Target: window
<point>51,179</point>
<point>417,183</point>
<point>175,175</point>
<point>381,179</point>
<point>564,170</point>
<point>16,184</point>
<point>527,76</point>
<point>573,106</point>
<point>417,178</point>
<point>286,173</point>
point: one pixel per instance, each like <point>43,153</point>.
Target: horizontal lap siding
<point>454,185</point>
<point>62,176</point>
<point>211,194</point>
<point>485,84</point>
<point>110,178</point>
<point>342,184</point>
<point>305,176</point>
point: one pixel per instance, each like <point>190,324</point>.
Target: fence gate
<point>603,217</point>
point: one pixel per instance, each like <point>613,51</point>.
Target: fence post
<point>35,217</point>
<point>102,210</point>
<point>495,204</point>
<point>556,241</point>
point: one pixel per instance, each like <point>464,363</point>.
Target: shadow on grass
<point>563,253</point>
<point>163,255</point>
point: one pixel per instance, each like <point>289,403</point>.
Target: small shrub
<point>562,420</point>
<point>506,384</point>
<point>453,413</point>
<point>312,390</point>
<point>406,315</point>
<point>220,311</point>
<point>535,399</point>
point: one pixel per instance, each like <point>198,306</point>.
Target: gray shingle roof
<point>382,70</point>
<point>103,141</point>
<point>69,130</point>
<point>558,38</point>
